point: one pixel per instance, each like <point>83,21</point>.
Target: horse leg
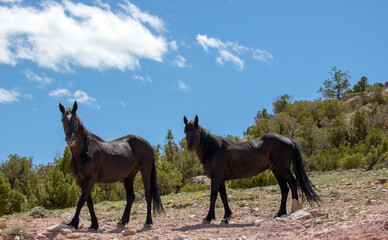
<point>92,214</point>
<point>294,188</point>
<point>87,187</point>
<point>224,198</point>
<point>146,175</point>
<point>284,190</point>
<point>128,185</point>
<point>215,185</point>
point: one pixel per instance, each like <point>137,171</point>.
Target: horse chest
<point>82,167</point>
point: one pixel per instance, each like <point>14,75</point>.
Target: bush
<point>193,187</point>
<point>169,178</point>
<point>18,201</point>
<point>263,179</point>
<point>351,161</point>
<point>39,212</point>
<point>5,189</point>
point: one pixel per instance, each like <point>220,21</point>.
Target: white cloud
<point>82,97</point>
<point>182,85</point>
<point>41,80</point>
<point>102,5</point>
<point>79,96</point>
<point>8,96</point>
<point>226,56</point>
<point>60,92</point>
<point>232,51</point>
<point>123,104</point>
<point>10,1</point>
<point>209,42</point>
<point>28,96</point>
<point>141,78</point>
<point>61,36</point>
<point>174,46</point>
<point>144,17</point>
<point>262,55</point>
<point>179,61</point>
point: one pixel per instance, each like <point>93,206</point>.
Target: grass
<point>16,230</point>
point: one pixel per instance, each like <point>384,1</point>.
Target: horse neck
<point>82,139</point>
<point>209,143</point>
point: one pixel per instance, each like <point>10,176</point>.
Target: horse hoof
<point>92,229</point>
<point>224,221</point>
<point>205,221</point>
<point>148,226</point>
<point>120,225</point>
<point>72,226</point>
<point>295,205</point>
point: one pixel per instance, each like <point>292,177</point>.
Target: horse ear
<point>185,120</point>
<point>61,108</point>
<point>75,107</point>
<point>196,120</point>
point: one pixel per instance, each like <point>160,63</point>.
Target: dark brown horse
<point>97,161</point>
<point>224,160</point>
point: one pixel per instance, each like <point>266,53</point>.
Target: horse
<point>224,160</point>
<point>94,161</point>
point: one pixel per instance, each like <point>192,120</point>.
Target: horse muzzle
<point>70,141</point>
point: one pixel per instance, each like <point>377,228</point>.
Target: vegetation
<point>330,134</point>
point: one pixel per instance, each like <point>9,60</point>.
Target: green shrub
<point>263,179</point>
<point>16,230</point>
<point>193,187</point>
<point>5,189</point>
<point>169,178</point>
<point>351,161</point>
<point>18,201</point>
<point>39,212</point>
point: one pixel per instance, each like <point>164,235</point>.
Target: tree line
<point>330,135</point>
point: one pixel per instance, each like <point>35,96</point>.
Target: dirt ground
<point>355,206</point>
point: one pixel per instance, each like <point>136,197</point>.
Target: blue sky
<point>137,67</point>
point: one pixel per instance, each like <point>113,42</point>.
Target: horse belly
<point>245,165</point>
<point>115,168</point>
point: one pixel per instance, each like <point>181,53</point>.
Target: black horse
<point>224,160</point>
<point>97,161</point>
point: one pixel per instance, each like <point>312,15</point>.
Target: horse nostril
<point>70,138</point>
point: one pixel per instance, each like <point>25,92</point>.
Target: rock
<point>385,91</point>
<point>201,179</point>
<point>324,231</point>
<point>301,215</point>
<point>128,233</point>
<point>382,180</point>
<point>73,235</point>
<point>258,222</point>
<point>3,223</point>
<point>65,231</point>
<point>385,226</point>
<point>40,236</point>
<point>57,228</point>
<point>357,99</point>
<point>281,219</point>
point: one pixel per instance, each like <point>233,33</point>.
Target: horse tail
<point>304,182</point>
<point>157,201</point>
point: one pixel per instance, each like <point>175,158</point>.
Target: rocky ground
<point>355,206</point>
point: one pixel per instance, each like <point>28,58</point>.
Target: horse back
<point>239,160</point>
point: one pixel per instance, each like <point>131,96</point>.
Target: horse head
<point>193,133</point>
<point>70,123</point>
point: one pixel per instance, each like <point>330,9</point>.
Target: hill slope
<point>355,207</point>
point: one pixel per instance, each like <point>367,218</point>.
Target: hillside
<point>355,206</point>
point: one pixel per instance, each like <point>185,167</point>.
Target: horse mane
<point>213,142</point>
<point>90,137</point>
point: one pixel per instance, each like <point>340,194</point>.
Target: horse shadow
<point>203,226</point>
